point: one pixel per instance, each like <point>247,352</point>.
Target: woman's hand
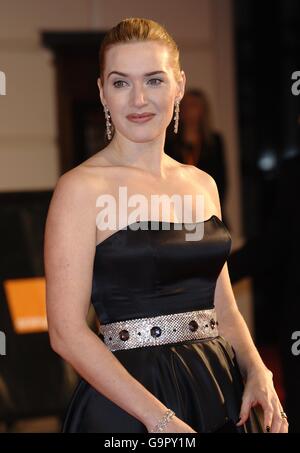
<point>259,389</point>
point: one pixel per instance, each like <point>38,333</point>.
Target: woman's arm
<point>69,250</point>
<point>231,322</point>
<point>234,328</point>
<point>259,387</point>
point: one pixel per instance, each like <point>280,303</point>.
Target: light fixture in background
<point>268,160</point>
<point>290,153</point>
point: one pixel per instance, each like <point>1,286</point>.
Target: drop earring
<point>108,122</point>
<point>176,116</point>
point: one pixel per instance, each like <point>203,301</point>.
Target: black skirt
<point>198,379</point>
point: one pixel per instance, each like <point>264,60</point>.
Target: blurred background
<point>239,121</point>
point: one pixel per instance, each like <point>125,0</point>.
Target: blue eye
<point>118,83</point>
<point>156,83</point>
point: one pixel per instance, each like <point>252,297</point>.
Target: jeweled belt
<point>157,330</point>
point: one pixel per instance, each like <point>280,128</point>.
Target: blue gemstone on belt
<point>155,331</point>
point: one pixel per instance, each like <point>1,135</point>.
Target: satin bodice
<point>150,269</point>
<point>153,269</point>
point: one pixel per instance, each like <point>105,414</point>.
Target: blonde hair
<point>139,29</point>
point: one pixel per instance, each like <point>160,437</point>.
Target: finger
<point>268,417</point>
<point>284,422</point>
<point>281,430</point>
<point>244,412</point>
<point>284,426</point>
<point>276,423</point>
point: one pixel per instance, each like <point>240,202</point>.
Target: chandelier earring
<point>108,122</point>
<point>176,116</point>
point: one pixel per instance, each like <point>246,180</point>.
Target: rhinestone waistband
<point>171,328</point>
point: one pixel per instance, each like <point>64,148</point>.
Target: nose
<point>138,95</point>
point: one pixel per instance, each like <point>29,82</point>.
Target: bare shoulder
<point>70,222</point>
<point>74,182</point>
<point>83,180</point>
<point>206,179</point>
<point>201,180</point>
<point>208,183</point>
<point>71,218</point>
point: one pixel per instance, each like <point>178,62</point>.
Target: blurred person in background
<point>196,143</point>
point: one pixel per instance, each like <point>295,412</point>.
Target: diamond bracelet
<point>160,426</point>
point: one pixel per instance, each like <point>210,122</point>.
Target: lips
<point>140,118</point>
<point>139,115</point>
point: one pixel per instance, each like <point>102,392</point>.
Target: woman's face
<point>134,91</point>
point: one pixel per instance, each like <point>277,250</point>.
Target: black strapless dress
<point>156,271</point>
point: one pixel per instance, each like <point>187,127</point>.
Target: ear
<point>181,86</point>
<point>101,94</point>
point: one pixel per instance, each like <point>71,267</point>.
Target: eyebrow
<point>127,75</point>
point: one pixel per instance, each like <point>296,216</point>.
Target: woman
<point>173,349</point>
